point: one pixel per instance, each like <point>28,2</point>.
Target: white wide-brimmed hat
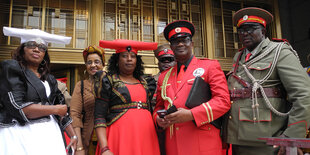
<point>35,35</point>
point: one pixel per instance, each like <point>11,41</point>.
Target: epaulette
<point>280,40</point>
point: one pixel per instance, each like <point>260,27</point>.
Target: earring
<point>43,62</point>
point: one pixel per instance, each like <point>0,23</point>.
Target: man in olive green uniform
<point>269,88</point>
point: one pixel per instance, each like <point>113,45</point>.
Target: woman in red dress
<point>123,118</point>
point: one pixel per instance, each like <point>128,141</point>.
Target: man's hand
<point>180,116</point>
<point>162,122</point>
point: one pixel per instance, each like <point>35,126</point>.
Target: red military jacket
<point>199,137</point>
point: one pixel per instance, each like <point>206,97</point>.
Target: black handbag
<point>201,93</point>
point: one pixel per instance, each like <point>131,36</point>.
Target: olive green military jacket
<point>243,128</point>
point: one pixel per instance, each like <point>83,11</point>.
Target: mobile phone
<point>172,109</point>
<point>162,113</point>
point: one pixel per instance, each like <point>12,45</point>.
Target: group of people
<point>266,94</point>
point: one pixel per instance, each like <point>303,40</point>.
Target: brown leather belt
<point>242,93</point>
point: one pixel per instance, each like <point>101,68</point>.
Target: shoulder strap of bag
<point>82,90</point>
<point>82,95</point>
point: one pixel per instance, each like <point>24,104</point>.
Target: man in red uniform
<point>188,131</point>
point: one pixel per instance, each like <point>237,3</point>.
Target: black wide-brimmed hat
<point>252,15</point>
<point>179,28</point>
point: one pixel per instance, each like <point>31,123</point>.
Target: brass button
<point>230,117</point>
<point>209,128</point>
<point>231,102</point>
<point>177,128</point>
<point>175,97</point>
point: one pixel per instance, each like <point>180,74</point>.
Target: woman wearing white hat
<point>32,109</point>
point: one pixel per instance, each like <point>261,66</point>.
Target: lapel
<point>260,49</point>
<point>189,71</point>
<point>36,84</point>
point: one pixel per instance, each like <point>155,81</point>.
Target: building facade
<point>88,21</point>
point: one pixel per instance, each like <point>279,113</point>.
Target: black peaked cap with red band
<point>252,15</point>
<point>123,45</point>
<point>179,28</point>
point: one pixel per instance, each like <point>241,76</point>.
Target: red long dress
<point>134,133</point>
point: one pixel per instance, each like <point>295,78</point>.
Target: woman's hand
<point>108,152</point>
<point>61,110</point>
<point>73,143</point>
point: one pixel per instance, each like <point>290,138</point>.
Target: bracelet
<point>106,148</point>
<point>74,137</point>
<point>80,148</point>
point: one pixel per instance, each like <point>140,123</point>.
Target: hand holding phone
<point>162,113</point>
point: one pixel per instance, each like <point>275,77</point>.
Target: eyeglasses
<point>33,45</point>
<point>248,30</point>
<point>96,62</point>
<point>166,59</point>
<point>184,41</point>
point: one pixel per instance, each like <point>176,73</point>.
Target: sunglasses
<point>183,40</point>
<point>166,59</point>
<point>248,30</point>
<point>33,45</point>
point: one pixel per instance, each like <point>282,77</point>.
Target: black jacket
<point>20,87</point>
<point>113,98</point>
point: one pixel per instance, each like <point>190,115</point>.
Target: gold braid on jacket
<point>164,95</point>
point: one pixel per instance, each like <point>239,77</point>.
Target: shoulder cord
<point>164,96</point>
<point>257,84</point>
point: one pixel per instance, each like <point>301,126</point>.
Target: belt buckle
<point>139,105</point>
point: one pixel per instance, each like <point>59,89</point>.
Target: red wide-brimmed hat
<point>252,15</point>
<point>123,45</point>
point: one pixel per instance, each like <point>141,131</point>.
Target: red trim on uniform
<point>280,40</point>
<point>255,121</point>
<point>252,19</point>
<point>182,30</point>
<point>163,52</point>
<point>299,122</point>
<point>260,68</point>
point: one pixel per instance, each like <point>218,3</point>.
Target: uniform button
<point>175,97</point>
<point>230,117</point>
<point>209,128</point>
<point>177,128</point>
<point>231,102</point>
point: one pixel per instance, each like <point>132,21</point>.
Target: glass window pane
<point>4,18</point>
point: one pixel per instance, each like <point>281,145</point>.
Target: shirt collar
<point>186,64</point>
